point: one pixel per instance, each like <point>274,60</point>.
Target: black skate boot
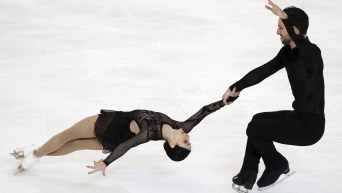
<point>270,177</point>
<point>244,181</point>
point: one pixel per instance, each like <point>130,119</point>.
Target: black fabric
<point>298,17</point>
<point>304,67</point>
<point>121,133</point>
<point>271,176</point>
<point>117,138</point>
<point>286,127</point>
<point>245,178</point>
<point>231,99</point>
<point>302,126</point>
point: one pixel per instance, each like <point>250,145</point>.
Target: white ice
<point>63,60</point>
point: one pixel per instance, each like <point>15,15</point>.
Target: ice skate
<point>20,153</point>
<point>244,181</point>
<point>239,189</point>
<point>271,178</point>
<point>29,160</point>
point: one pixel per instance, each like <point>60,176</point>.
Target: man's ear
<point>296,30</point>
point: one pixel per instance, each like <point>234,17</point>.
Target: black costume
<point>112,128</point>
<point>302,126</point>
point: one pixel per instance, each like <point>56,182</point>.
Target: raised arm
<point>297,35</point>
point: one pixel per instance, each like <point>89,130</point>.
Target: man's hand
<point>276,10</point>
<point>98,166</point>
<point>229,93</point>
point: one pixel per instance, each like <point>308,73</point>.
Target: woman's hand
<point>276,10</point>
<point>98,166</point>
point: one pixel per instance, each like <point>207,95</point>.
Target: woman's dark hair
<point>298,17</point>
<point>177,153</point>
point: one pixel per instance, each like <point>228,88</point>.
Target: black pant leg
<point>252,156</point>
<point>251,159</point>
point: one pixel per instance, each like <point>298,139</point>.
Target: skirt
<point>112,129</point>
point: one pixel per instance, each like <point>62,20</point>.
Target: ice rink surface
<point>63,60</point>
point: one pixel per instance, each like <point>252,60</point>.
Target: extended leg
<point>82,130</point>
<point>78,144</point>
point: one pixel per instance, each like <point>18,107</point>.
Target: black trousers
<point>286,127</point>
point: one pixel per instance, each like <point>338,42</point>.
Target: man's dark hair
<point>298,17</point>
<point>177,153</point>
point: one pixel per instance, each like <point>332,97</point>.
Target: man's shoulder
<point>311,47</point>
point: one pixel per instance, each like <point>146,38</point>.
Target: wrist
<point>283,15</point>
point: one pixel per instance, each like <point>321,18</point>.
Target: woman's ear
<point>172,144</point>
<point>173,141</point>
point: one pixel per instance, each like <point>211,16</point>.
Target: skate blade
<point>20,169</point>
<point>17,154</point>
<point>239,189</point>
<point>14,155</point>
<point>290,173</point>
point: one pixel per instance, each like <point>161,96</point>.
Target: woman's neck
<point>167,131</point>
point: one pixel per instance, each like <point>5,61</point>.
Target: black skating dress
<point>112,128</point>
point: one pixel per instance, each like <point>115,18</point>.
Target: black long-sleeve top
<point>304,67</point>
<point>150,124</point>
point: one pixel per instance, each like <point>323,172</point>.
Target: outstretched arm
<point>127,145</point>
<point>191,122</point>
<point>120,150</point>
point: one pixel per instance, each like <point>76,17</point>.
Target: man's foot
<point>244,181</point>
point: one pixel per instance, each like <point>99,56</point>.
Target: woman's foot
<point>29,160</point>
<point>20,153</point>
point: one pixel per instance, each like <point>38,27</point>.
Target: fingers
<point>271,6</point>
<point>91,172</point>
<point>271,3</point>
<point>268,7</point>
<point>225,96</point>
<point>98,166</point>
<point>229,93</point>
<point>234,93</point>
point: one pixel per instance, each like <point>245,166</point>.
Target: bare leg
<point>78,144</point>
<point>82,130</point>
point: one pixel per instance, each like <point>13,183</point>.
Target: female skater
<point>117,132</point>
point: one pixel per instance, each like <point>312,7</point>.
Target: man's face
<point>282,32</point>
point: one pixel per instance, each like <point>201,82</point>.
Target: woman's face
<point>182,139</point>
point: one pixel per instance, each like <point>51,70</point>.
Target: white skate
<point>20,153</point>
<point>29,160</point>
<point>281,178</point>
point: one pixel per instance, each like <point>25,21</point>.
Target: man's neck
<point>292,45</point>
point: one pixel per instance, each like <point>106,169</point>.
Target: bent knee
<point>258,116</point>
<point>251,129</point>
